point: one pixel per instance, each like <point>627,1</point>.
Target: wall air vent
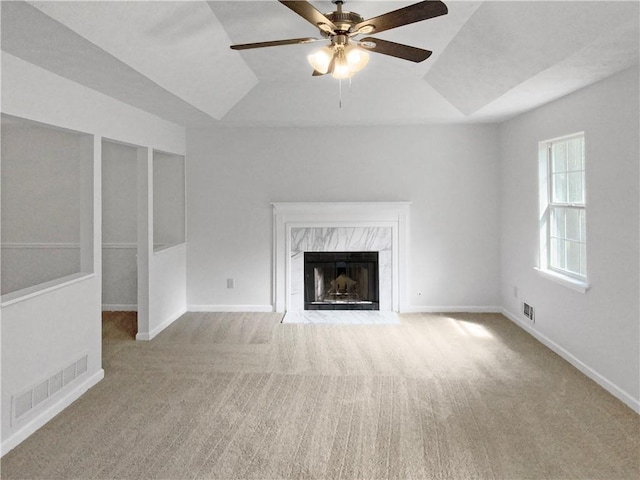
<point>28,401</point>
<point>527,310</point>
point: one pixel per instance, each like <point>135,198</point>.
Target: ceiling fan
<point>346,54</point>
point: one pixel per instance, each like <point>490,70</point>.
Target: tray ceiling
<point>491,60</point>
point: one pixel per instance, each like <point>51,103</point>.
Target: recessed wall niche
<point>168,200</point>
<point>47,205</point>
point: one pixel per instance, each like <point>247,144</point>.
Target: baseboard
<point>146,336</point>
<point>231,308</point>
<point>605,383</point>
<point>115,307</point>
<point>32,426</point>
<point>410,309</point>
<point>461,309</point>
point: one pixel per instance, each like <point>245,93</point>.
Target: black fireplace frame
<point>336,261</point>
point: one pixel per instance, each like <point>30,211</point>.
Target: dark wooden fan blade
<point>308,12</point>
<point>393,49</point>
<point>404,16</point>
<point>275,43</point>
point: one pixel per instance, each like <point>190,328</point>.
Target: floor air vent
<point>32,398</point>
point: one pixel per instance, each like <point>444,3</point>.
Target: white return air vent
<point>31,399</point>
<point>527,311</point>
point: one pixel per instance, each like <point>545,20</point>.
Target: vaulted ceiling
<point>491,59</point>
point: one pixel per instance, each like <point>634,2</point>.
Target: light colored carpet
<point>456,396</point>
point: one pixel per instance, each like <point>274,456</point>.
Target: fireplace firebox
<point>341,281</point>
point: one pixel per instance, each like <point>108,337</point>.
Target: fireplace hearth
<point>341,281</point>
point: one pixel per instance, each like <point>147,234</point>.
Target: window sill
<point>30,292</point>
<point>572,283</point>
<point>160,249</point>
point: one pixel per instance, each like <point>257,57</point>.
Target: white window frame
<point>573,280</point>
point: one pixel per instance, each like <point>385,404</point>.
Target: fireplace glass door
<point>341,281</point>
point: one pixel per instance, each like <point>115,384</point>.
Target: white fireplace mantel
<point>372,216</point>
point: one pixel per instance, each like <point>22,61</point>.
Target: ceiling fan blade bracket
<point>325,29</point>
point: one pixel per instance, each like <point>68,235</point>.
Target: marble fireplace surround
<point>335,227</point>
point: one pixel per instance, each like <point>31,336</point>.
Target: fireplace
<point>341,281</point>
<point>340,227</point>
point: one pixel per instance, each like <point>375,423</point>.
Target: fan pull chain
<point>340,93</point>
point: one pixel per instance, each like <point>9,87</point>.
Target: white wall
<point>119,226</point>
<point>48,331</point>
<point>167,289</point>
<point>597,331</point>
<point>163,298</point>
<point>449,173</point>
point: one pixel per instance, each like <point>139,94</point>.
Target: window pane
<point>553,252</point>
<point>559,157</point>
<point>573,224</point>
<point>583,260</point>
<point>557,251</point>
<point>558,222</point>
<point>573,256</point>
<point>559,188</point>
<point>583,226</point>
<point>574,155</point>
<point>576,192</point>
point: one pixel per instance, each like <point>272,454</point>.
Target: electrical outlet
<point>230,283</point>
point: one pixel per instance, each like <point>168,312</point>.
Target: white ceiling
<point>491,60</point>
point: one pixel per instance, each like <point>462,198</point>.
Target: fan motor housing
<point>344,20</point>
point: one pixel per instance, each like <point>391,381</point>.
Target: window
<point>563,219</point>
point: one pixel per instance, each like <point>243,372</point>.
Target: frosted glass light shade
<point>341,68</point>
<point>347,60</point>
<point>357,58</point>
<point>321,59</point>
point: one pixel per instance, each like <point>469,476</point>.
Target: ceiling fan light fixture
<point>321,59</point>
